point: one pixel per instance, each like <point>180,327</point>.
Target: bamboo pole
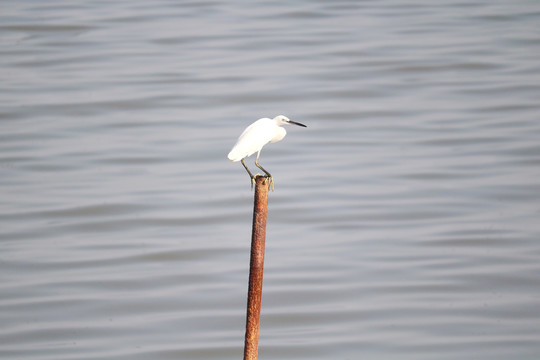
<point>256,264</point>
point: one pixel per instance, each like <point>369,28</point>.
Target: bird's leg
<point>250,174</point>
<point>268,175</point>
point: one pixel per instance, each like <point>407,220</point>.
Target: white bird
<point>255,136</point>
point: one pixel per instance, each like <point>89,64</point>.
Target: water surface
<point>404,222</point>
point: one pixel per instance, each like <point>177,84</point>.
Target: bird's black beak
<point>296,123</point>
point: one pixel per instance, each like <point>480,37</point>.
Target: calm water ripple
<point>404,224</point>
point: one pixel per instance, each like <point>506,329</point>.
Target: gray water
<point>405,218</point>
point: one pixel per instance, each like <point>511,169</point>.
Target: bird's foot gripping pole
<point>270,182</point>
<point>268,175</point>
<point>253,178</point>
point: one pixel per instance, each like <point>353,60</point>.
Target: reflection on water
<point>404,220</point>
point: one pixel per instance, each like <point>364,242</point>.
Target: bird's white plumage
<point>254,137</point>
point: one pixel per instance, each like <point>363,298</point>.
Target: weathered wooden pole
<point>256,264</point>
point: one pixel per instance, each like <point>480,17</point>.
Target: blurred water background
<point>405,222</point>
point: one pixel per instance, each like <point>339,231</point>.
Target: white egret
<point>254,137</point>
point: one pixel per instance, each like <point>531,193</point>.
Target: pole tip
<point>263,180</point>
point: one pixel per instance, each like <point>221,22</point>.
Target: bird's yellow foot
<point>270,182</point>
